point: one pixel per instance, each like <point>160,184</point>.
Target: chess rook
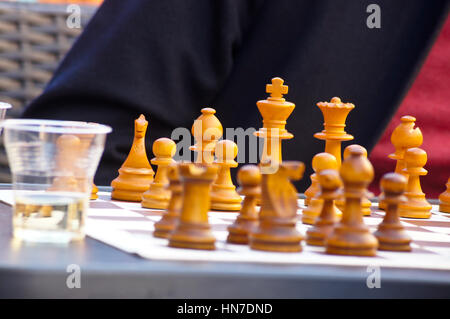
<point>249,178</point>
<point>351,236</point>
<point>169,220</point>
<point>207,130</point>
<point>223,192</point>
<point>404,136</point>
<point>391,233</point>
<point>330,183</point>
<point>275,110</point>
<point>320,162</point>
<point>276,230</point>
<point>444,199</point>
<point>136,173</point>
<point>416,205</point>
<point>193,229</point>
<point>158,195</point>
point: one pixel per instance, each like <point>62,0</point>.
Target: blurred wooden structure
<point>33,40</point>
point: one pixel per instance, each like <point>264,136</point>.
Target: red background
<point>428,101</point>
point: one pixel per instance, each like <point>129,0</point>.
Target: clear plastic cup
<point>53,164</point>
<point>3,107</point>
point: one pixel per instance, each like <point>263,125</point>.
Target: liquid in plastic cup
<point>53,164</point>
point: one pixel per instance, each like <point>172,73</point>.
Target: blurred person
<point>168,59</point>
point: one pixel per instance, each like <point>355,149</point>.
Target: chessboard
<point>129,227</point>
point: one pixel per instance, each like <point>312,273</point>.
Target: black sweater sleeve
<point>165,59</point>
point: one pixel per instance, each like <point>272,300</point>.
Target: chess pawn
<point>313,189</point>
<point>94,192</point>
<point>404,136</point>
<point>351,236</point>
<point>249,177</point>
<point>67,149</point>
<point>274,110</point>
<point>158,195</point>
<point>320,162</point>
<point>223,192</point>
<point>366,203</point>
<point>170,218</point>
<point>136,173</point>
<point>80,172</point>
<point>46,211</point>
<point>276,230</point>
<point>330,184</point>
<point>335,114</point>
<point>391,233</point>
<point>207,130</point>
<point>193,229</point>
<point>416,205</point>
<point>444,199</point>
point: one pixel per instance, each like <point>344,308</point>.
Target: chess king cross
<point>275,110</point>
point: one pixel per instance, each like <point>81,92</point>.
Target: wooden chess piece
<point>249,177</point>
<point>136,173</point>
<point>313,188</point>
<point>330,185</point>
<point>94,192</point>
<point>404,136</point>
<point>320,162</point>
<point>416,205</point>
<point>85,143</point>
<point>80,172</point>
<point>223,192</point>
<point>276,230</point>
<point>275,110</point>
<point>170,218</point>
<point>334,113</point>
<point>193,229</point>
<point>67,149</point>
<point>207,130</point>
<point>158,195</point>
<point>351,236</point>
<point>366,204</point>
<point>391,233</point>
<point>444,199</point>
<point>46,211</point>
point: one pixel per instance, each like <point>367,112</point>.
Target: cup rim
<point>55,126</point>
<point>4,106</point>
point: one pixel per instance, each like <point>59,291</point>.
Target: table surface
<point>40,271</point>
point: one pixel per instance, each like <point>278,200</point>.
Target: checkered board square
<point>129,227</point>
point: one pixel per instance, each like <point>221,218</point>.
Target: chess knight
<point>278,215</point>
